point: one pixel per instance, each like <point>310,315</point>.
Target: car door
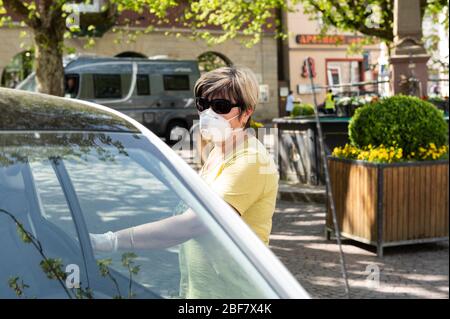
<point>112,181</point>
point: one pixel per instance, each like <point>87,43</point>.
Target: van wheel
<point>174,130</point>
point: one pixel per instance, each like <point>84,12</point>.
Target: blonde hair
<point>237,84</point>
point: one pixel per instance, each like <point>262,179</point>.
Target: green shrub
<point>405,121</point>
<point>302,109</point>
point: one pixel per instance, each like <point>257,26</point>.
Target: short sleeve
<point>241,181</point>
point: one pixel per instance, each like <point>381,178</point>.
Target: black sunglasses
<point>220,106</point>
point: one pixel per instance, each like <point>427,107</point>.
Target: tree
<point>48,21</point>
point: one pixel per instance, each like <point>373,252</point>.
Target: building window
<point>345,74</point>
<point>143,84</point>
<point>176,82</point>
<point>334,75</point>
<point>107,86</point>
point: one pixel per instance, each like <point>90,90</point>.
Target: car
<point>155,92</point>
<point>69,168</point>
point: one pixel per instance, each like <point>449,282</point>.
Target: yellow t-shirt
<point>247,179</point>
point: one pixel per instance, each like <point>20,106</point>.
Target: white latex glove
<point>104,242</point>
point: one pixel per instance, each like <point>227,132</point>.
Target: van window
<point>143,84</point>
<point>107,86</point>
<point>176,82</point>
<point>71,85</point>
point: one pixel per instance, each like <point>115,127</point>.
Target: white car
<point>69,168</point>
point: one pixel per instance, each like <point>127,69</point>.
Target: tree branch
<point>17,7</point>
<point>385,33</point>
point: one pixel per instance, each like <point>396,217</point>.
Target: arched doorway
<point>130,54</point>
<point>212,60</point>
<point>18,69</point>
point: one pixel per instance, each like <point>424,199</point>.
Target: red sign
<point>327,39</point>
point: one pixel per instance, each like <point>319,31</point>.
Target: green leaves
<point>128,262</point>
<point>16,284</point>
<point>24,236</point>
<point>408,121</point>
<point>302,109</point>
<point>103,266</point>
<point>53,268</point>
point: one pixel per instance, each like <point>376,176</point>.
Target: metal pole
<point>327,181</point>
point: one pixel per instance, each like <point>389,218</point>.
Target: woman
<point>238,168</point>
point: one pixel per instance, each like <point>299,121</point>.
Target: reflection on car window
<point>119,194</point>
<point>121,180</point>
<point>37,202</point>
<point>51,199</point>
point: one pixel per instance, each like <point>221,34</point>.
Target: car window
<point>71,85</point>
<point>120,194</point>
<point>30,192</point>
<point>107,86</point>
<point>143,84</point>
<point>53,206</point>
<point>122,180</point>
<point>176,82</point>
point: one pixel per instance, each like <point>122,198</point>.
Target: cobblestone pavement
<point>414,271</point>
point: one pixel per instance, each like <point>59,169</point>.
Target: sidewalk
<point>301,193</point>
<point>415,271</point>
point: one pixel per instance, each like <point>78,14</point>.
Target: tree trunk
<point>49,44</point>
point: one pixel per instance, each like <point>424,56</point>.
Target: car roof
<point>29,111</point>
<point>81,60</point>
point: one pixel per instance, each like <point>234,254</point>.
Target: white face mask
<point>214,127</point>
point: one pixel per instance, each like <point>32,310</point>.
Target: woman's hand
<point>106,242</point>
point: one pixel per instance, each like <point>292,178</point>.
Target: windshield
<point>63,186</point>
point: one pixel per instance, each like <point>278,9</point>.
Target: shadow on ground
<point>413,271</point>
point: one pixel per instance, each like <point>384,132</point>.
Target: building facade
<point>332,63</point>
<point>261,58</point>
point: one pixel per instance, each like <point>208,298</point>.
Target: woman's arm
<point>161,234</point>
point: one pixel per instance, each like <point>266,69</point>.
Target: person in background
<point>70,88</point>
<point>289,103</point>
<point>329,103</point>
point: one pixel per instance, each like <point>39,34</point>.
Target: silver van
<point>156,93</point>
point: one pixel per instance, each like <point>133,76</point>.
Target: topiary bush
<point>401,121</point>
<point>302,109</point>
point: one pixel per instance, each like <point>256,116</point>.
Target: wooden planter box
<point>389,204</point>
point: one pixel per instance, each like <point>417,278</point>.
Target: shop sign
<point>327,39</point>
